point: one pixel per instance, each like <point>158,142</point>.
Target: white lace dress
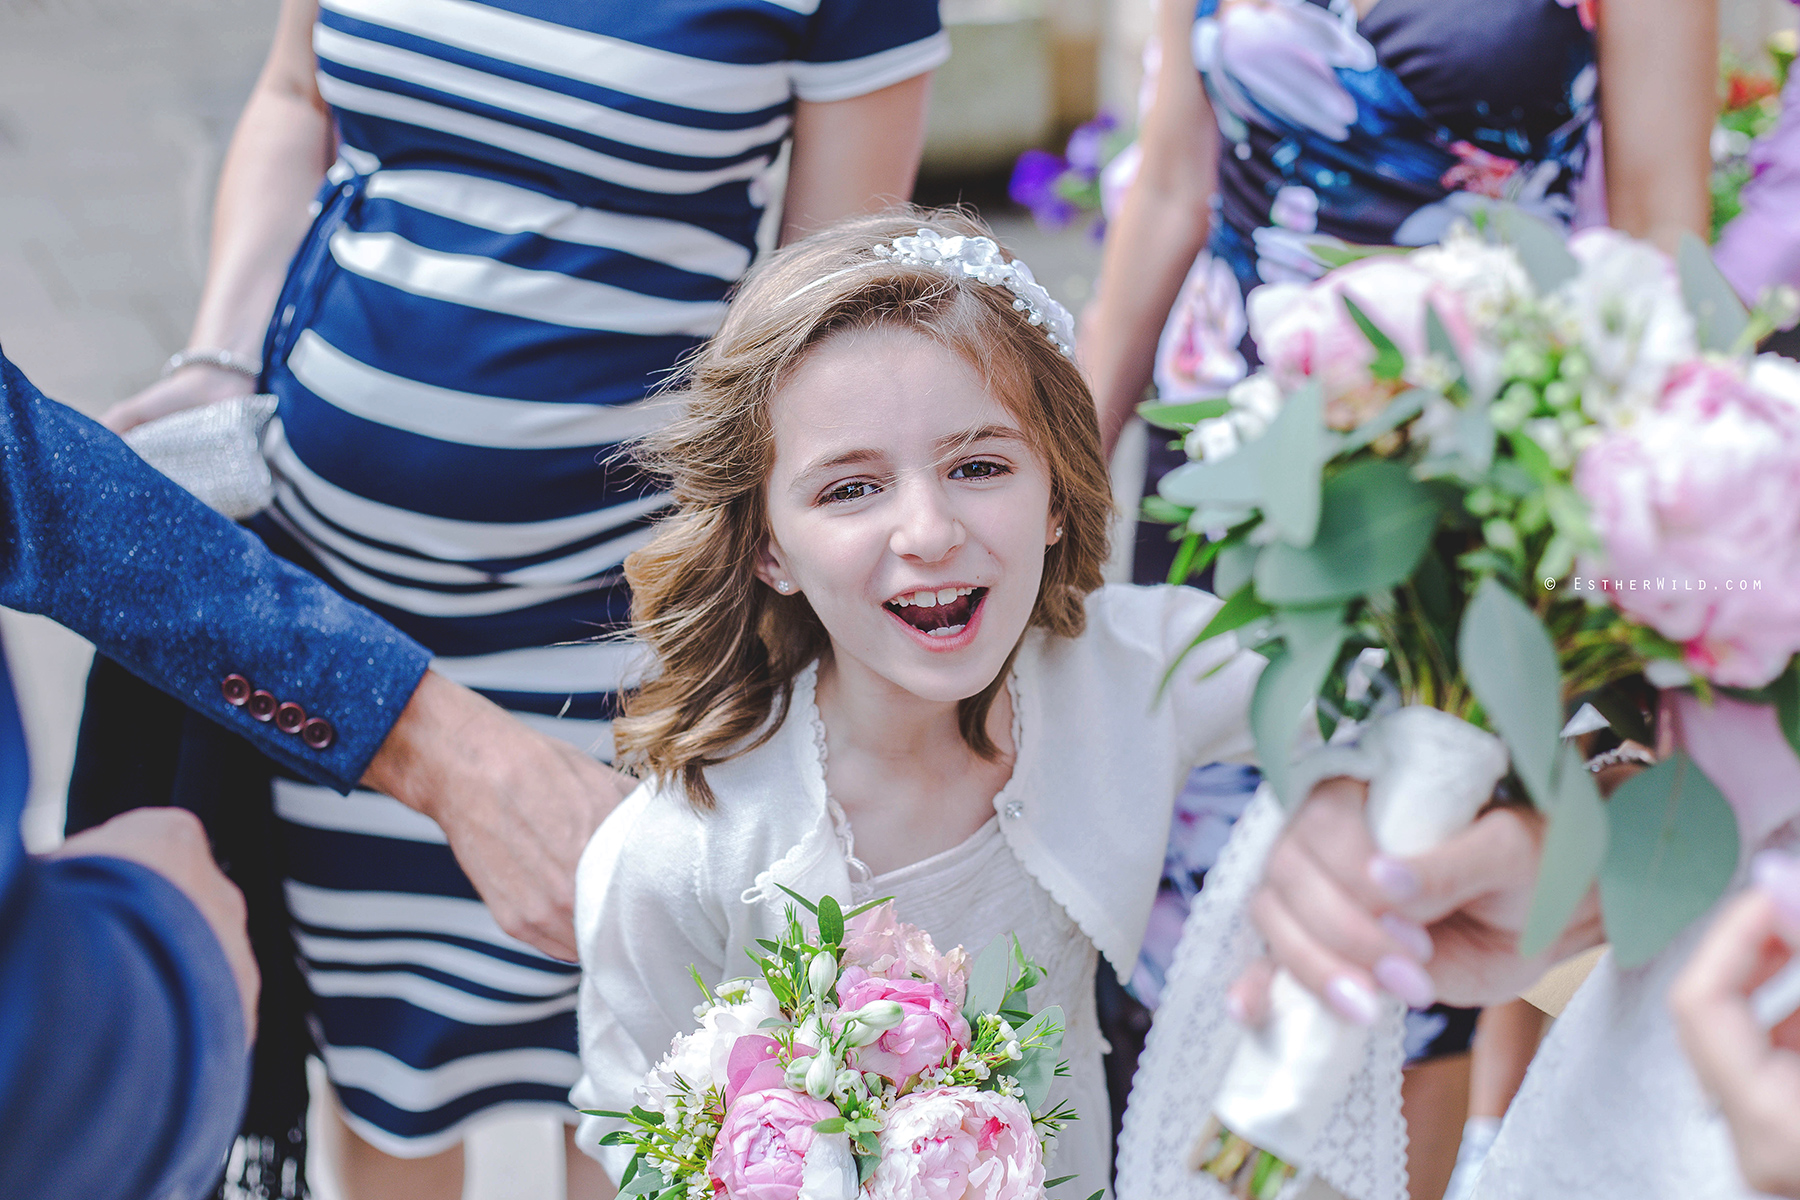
<point>978,891</point>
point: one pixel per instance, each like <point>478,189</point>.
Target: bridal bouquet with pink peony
<point>1472,488</point>
<point>859,1061</point>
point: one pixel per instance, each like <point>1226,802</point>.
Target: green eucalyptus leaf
<point>831,922</point>
<point>1542,248</point>
<point>1292,451</point>
<point>989,976</point>
<point>1182,417</point>
<point>830,1125</point>
<point>647,1182</point>
<point>1440,343</point>
<point>1389,362</point>
<point>1233,566</point>
<point>1719,316</point>
<point>1400,410</point>
<point>1375,526</point>
<point>1574,847</point>
<point>865,1167</point>
<point>1311,639</point>
<point>1235,479</point>
<point>1475,438</point>
<point>1510,664</point>
<point>1672,846</point>
<point>631,1169</point>
<point>1786,694</point>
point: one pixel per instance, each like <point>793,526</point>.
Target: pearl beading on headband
<point>980,259</point>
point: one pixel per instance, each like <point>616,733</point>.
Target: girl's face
<point>907,505</point>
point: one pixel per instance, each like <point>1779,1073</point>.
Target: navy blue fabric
<point>96,539</point>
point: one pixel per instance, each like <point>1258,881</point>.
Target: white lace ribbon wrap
<point>1318,1091</point>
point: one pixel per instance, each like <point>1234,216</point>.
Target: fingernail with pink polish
<point>1405,978</point>
<point>1410,934</point>
<point>1352,1001</point>
<point>1779,875</point>
<point>1394,878</point>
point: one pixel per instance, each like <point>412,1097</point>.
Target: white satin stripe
<point>432,996</point>
<point>482,969</point>
<point>528,584</point>
<point>579,667</point>
<point>463,417</point>
<point>504,208</point>
<point>549,296</point>
<point>360,161</point>
<point>539,103</point>
<point>859,76</point>
<point>530,143</point>
<point>424,602</point>
<point>440,537</point>
<point>594,58</point>
<point>407,913</point>
<point>417,1090</point>
<point>360,812</point>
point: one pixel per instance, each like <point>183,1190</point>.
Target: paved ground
<point>113,117</point>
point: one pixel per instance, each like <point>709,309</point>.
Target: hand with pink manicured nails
<point>1351,923</point>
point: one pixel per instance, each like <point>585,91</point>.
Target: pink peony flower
<point>1305,331</point>
<point>767,1149</point>
<point>924,1036</point>
<point>958,1144</point>
<point>881,944</point>
<point>1697,507</point>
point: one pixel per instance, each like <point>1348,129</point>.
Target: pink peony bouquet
<point>859,1062</point>
<point>1506,478</point>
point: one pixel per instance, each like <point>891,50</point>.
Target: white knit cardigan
<point>1102,750</point>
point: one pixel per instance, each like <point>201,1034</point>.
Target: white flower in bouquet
<point>700,1058</point>
<point>1488,277</point>
<point>1625,310</point>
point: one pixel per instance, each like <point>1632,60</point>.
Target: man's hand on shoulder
<point>518,806</point>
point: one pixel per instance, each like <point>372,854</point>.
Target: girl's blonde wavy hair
<point>727,646</point>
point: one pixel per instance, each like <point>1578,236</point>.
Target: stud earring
<point>1058,534</point>
<point>784,587</point>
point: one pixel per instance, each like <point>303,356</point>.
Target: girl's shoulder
<point>1147,624</point>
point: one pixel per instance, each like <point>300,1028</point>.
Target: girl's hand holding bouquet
<point>859,1062</point>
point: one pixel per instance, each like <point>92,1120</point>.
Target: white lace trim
<point>1362,1150</point>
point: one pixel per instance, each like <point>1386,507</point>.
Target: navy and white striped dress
<point>538,207</point>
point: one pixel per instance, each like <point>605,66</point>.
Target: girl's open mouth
<point>943,613</point>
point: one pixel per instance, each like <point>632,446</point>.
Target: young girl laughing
<point>885,663</point>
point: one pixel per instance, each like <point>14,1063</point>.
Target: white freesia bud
<point>796,1073</point>
<point>1006,1030</point>
<point>847,1081</point>
<point>882,1014</point>
<point>821,1076</point>
<point>814,1032</point>
<point>860,1033</point>
<point>822,973</point>
<point>1013,1052</point>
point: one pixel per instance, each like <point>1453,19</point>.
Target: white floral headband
<point>980,259</point>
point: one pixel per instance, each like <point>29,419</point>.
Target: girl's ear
<point>1053,528</point>
<point>772,569</point>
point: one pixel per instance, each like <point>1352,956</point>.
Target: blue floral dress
<point>1378,131</point>
<point>1337,130</point>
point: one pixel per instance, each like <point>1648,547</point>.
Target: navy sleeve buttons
<point>285,715</point>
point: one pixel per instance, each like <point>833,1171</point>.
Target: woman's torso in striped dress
<point>538,208</point>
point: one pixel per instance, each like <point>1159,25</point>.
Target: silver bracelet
<point>225,360</point>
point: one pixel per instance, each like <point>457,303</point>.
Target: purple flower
<point>1033,185</point>
<point>1087,145</point>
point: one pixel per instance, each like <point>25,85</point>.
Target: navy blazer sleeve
<point>99,541</point>
<point>122,1060</point>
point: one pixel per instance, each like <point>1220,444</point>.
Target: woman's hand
<point>1347,920</point>
<point>1753,1073</point>
<point>193,386</point>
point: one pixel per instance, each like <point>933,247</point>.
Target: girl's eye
<point>980,468</point>
<point>856,489</point>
